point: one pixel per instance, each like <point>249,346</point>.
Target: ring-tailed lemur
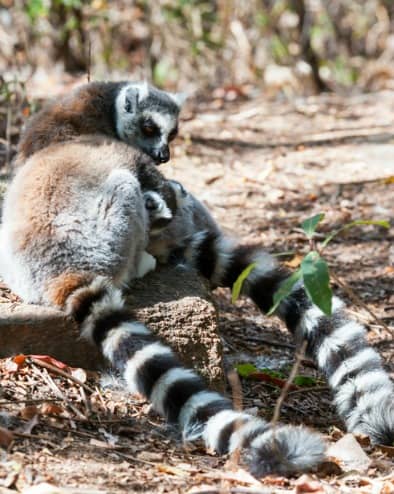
<point>338,345</point>
<point>74,230</point>
<point>363,391</point>
<point>135,113</point>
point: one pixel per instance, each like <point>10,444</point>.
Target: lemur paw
<point>147,263</point>
<point>180,192</point>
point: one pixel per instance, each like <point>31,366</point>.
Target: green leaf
<point>244,370</point>
<point>317,281</point>
<point>237,287</point>
<point>273,373</point>
<point>382,223</point>
<point>310,224</point>
<point>284,290</point>
<point>36,9</point>
<point>304,381</point>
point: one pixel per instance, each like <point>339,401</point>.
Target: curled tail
<point>180,395</point>
<point>363,391</point>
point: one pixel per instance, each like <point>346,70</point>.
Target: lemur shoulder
<point>75,228</point>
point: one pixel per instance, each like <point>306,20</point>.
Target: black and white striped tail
<point>363,391</point>
<point>151,368</point>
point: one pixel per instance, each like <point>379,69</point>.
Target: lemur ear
<point>135,94</point>
<point>143,90</point>
<point>178,98</point>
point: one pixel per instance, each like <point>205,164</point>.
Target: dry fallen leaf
<point>349,455</point>
<point>306,484</point>
<point>79,374</point>
<point>50,360</point>
<point>295,262</point>
<point>6,437</point>
<point>172,470</point>
<point>11,367</point>
<point>51,409</point>
<point>28,412</point>
<point>100,444</point>
<point>275,480</point>
<point>389,450</point>
<point>19,359</point>
<point>388,488</point>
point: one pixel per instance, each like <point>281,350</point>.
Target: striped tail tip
<point>282,450</point>
<point>285,450</point>
<point>376,421</point>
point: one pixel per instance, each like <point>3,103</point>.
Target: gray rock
<point>174,302</point>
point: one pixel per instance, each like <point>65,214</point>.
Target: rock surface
<point>174,302</point>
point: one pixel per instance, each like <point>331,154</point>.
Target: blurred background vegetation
<point>282,47</point>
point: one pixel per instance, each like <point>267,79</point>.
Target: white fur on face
<point>123,117</point>
<point>142,89</point>
<point>161,209</point>
<point>165,122</point>
<point>121,113</point>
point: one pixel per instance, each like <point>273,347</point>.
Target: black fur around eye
<point>149,129</point>
<point>173,134</point>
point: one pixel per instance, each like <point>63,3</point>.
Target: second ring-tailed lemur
<point>363,391</point>
<point>75,228</point>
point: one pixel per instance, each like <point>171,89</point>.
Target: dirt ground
<point>261,167</point>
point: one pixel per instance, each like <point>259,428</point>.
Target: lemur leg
<point>123,220</point>
<point>362,389</point>
<point>151,368</point>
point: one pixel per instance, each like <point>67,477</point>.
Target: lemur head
<point>148,118</point>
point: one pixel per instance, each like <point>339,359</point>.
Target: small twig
<point>286,387</point>
<point>125,421</point>
<point>236,388</point>
<point>56,370</point>
<point>60,394</point>
<point>29,402</point>
<point>267,341</point>
<point>308,389</point>
<point>88,405</point>
<point>89,57</point>
<point>67,430</point>
<point>26,435</point>
<point>100,397</point>
<point>8,136</point>
<point>357,300</point>
<point>131,458</point>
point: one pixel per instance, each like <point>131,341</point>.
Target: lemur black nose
<point>164,154</point>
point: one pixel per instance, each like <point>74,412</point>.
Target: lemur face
<point>159,213</point>
<point>148,118</point>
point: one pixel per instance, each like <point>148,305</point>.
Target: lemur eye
<point>149,129</point>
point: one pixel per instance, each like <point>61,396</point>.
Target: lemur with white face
<point>75,228</point>
<point>135,113</point>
